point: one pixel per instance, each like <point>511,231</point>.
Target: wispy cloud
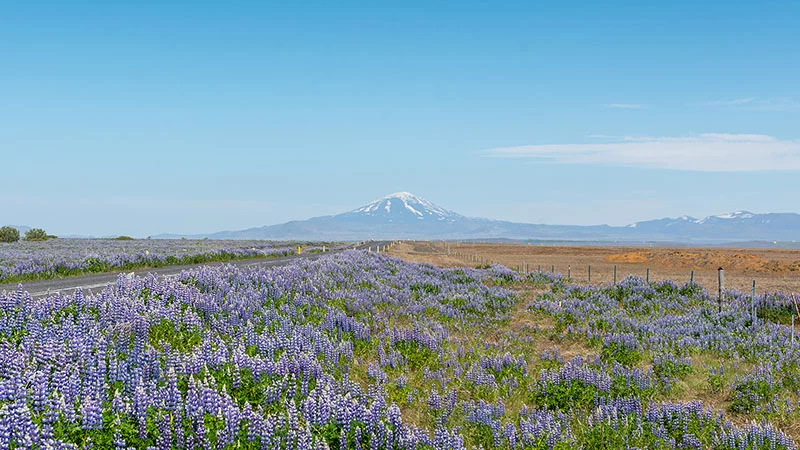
<point>754,104</point>
<point>730,102</point>
<point>709,152</point>
<point>624,105</point>
<point>785,104</point>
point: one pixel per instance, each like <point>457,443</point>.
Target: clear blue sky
<point>147,117</point>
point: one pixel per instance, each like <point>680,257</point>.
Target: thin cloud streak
<point>731,102</point>
<point>780,104</point>
<point>624,105</point>
<point>709,152</point>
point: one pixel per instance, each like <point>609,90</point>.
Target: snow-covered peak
<point>404,205</point>
<point>736,215</point>
<point>733,215</point>
<point>690,221</point>
<point>406,196</point>
<point>667,222</point>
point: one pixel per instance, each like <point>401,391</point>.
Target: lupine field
<point>23,260</point>
<point>361,351</point>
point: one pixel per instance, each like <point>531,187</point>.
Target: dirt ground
<point>772,269</point>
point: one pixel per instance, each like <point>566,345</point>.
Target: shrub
<point>36,234</point>
<point>9,234</point>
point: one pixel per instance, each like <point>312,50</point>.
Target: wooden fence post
<point>753,305</point>
<point>721,280</point>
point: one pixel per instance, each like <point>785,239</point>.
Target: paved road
<point>97,281</point>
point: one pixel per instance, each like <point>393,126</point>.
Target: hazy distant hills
<point>21,228</point>
<point>406,216</point>
<point>736,226</point>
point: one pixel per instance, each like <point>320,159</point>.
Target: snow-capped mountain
<point>403,207</point>
<point>406,216</point>
<point>734,226</point>
<point>738,215</point>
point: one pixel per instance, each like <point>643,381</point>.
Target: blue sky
<point>147,117</point>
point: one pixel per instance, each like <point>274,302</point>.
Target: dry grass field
<point>774,270</point>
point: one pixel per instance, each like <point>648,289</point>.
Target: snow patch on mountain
<point>404,204</point>
<point>733,215</point>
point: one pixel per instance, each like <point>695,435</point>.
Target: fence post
<point>721,279</point>
<point>569,272</point>
<point>615,274</point>
<point>553,269</point>
<point>691,279</point>
<point>753,304</point>
<point>647,277</point>
<point>590,273</point>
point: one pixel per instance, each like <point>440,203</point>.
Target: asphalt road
<point>97,281</point>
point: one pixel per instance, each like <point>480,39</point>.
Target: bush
<point>123,238</point>
<point>9,234</point>
<point>37,234</point>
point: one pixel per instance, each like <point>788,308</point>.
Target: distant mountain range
<point>21,228</point>
<point>405,216</point>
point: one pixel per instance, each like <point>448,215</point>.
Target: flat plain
<point>772,269</point>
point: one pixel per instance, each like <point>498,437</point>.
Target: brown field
<point>772,269</point>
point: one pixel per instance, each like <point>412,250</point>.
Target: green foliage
<point>692,290</point>
<point>9,234</point>
<point>180,338</point>
<point>607,436</point>
<point>122,238</point>
<point>563,396</point>
<point>417,355</point>
<point>615,351</point>
<point>425,288</point>
<point>747,396</point>
<point>778,314</point>
<point>479,434</point>
<point>627,432</point>
<point>37,234</point>
<point>716,380</point>
<point>668,369</point>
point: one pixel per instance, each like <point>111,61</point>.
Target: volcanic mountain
<point>405,216</point>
